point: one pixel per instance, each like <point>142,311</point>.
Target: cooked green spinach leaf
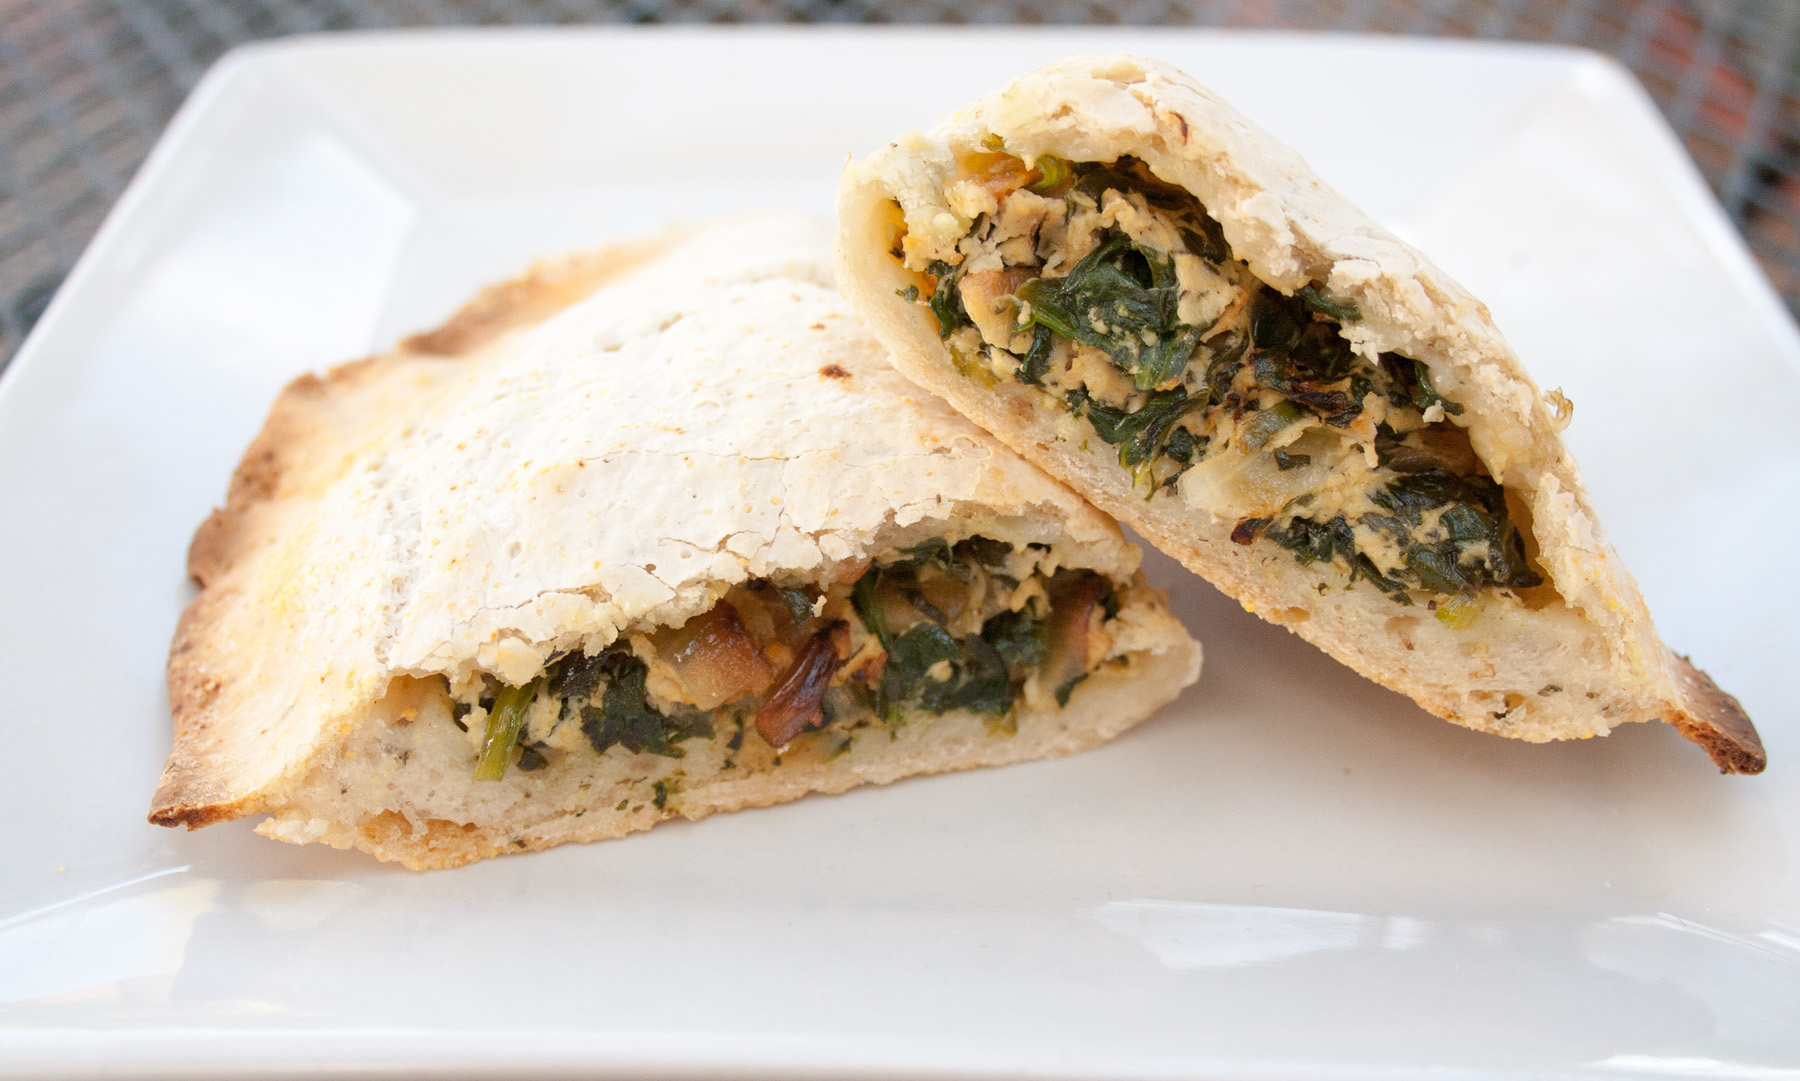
<point>985,550</point>
<point>935,552</point>
<point>946,298</point>
<point>798,602</point>
<point>624,717</point>
<point>1037,359</point>
<point>868,607</point>
<point>1319,303</point>
<point>904,677</point>
<point>1409,384</point>
<point>1144,432</point>
<point>1474,544</point>
<point>531,757</point>
<point>1018,637</point>
<point>1122,300</point>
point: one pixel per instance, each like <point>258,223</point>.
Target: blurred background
<point>87,85</point>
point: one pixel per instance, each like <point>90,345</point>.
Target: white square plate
<point>1288,872</point>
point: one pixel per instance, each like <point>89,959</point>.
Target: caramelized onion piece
<point>769,615</point>
<point>794,706</point>
<point>997,171</point>
<point>1074,641</point>
<point>949,596</point>
<point>716,660</point>
<point>1440,446</point>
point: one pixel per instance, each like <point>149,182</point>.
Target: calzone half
<point>1119,275</point>
<point>655,531</point>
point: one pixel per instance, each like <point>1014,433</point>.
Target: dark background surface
<point>87,85</point>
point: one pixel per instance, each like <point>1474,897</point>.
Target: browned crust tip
<point>1716,721</point>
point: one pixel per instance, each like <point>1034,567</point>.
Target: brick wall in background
<point>86,85</point>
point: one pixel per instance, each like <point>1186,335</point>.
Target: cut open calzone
<point>1127,281</point>
<point>651,532</point>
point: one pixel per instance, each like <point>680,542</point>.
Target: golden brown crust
<point>1716,721</point>
<point>187,796</point>
<point>293,422</point>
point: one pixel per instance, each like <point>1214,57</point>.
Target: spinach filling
<point>607,693</point>
<point>1232,382</point>
<point>1121,299</point>
<point>1473,547</point>
<point>908,604</point>
<point>946,300</point>
<point>929,668</point>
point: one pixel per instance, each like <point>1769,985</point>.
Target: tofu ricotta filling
<point>1115,295</point>
<point>977,625</point>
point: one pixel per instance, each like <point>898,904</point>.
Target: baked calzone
<point>650,532</point>
<point>1119,275</point>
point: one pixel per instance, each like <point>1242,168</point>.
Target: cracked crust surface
<point>1507,676</point>
<point>564,464</point>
